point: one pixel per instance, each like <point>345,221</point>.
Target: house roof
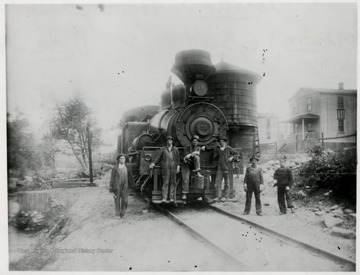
<point>303,116</point>
<point>305,90</point>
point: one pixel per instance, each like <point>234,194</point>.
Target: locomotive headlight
<point>200,87</point>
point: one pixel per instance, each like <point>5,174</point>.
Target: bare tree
<point>69,123</point>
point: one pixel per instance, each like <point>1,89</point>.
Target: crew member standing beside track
<point>121,177</point>
<point>253,183</point>
<point>170,165</point>
<point>285,180</point>
<point>225,155</point>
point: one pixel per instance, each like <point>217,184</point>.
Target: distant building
<point>268,128</point>
<point>323,113</point>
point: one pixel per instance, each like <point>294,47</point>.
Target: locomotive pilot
<point>170,166</point>
<point>253,183</point>
<point>121,178</point>
<point>192,159</point>
<point>225,155</point>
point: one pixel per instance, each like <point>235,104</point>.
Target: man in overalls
<point>253,183</point>
<point>170,166</point>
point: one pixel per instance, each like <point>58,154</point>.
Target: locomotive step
<point>168,202</point>
<point>226,200</point>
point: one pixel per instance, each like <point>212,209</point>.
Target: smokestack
<point>341,85</point>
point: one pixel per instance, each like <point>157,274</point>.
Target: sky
<point>119,56</point>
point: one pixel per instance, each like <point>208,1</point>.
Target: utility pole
<point>90,155</point>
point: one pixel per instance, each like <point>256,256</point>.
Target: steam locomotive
<point>213,101</point>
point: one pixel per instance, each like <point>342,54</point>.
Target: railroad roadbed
<point>252,246</point>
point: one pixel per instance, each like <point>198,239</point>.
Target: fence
<point>333,143</point>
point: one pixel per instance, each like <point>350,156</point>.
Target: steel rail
<point>288,239</point>
<point>197,235</point>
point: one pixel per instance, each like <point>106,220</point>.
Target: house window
<point>340,113</point>
<point>309,103</point>
<point>268,123</point>
<point>294,109</point>
<point>340,102</point>
<point>309,127</point>
<point>340,125</point>
<point>268,135</point>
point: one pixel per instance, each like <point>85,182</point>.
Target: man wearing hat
<point>121,177</point>
<point>192,159</point>
<point>192,154</point>
<point>170,165</point>
<point>284,178</point>
<point>253,183</point>
<point>225,155</point>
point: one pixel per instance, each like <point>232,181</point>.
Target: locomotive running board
<point>168,202</point>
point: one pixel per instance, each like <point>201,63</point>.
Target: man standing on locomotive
<point>284,178</point>
<point>192,159</point>
<point>170,166</point>
<point>121,177</point>
<point>225,155</point>
<point>253,183</point>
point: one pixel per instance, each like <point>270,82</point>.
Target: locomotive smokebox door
<point>199,182</point>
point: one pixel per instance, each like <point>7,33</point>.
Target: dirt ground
<point>94,239</point>
<point>303,225</point>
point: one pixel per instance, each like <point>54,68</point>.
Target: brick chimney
<point>341,85</point>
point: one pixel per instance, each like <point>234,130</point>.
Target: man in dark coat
<point>121,178</point>
<point>225,155</point>
<point>253,183</point>
<point>192,161</point>
<point>284,178</point>
<point>170,166</point>
<point>192,154</point>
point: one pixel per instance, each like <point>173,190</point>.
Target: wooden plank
<point>69,185</point>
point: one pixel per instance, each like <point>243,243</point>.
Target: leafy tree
<point>70,123</point>
<point>22,150</point>
<point>330,170</point>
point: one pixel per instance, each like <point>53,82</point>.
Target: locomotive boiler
<point>212,101</point>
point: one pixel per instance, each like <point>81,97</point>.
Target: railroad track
<point>251,247</point>
<point>234,263</point>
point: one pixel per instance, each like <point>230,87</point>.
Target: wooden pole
<point>90,155</point>
<point>322,140</point>
<point>302,129</point>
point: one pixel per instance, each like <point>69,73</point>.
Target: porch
<point>305,127</point>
